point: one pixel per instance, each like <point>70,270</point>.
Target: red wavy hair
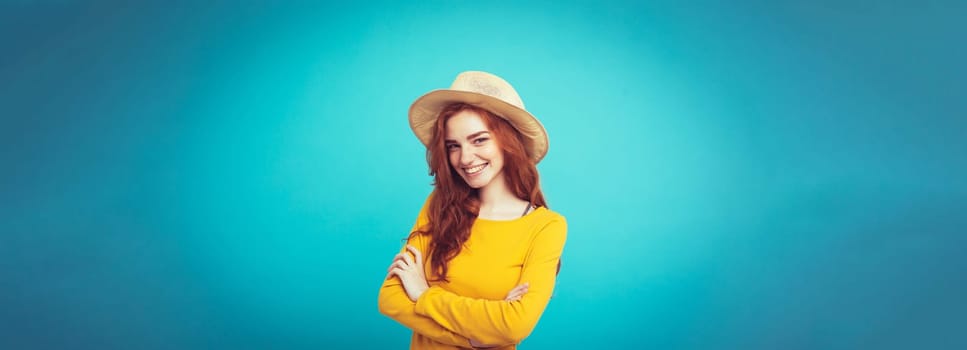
<point>454,204</point>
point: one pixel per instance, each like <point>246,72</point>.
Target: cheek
<point>495,156</point>
<point>454,158</point>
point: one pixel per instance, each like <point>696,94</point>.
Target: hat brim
<point>426,109</point>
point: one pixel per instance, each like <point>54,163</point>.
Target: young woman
<point>480,263</point>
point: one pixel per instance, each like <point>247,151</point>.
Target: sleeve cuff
<point>423,302</point>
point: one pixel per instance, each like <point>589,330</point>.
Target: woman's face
<point>472,149</point>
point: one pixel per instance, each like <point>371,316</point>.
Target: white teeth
<point>475,169</point>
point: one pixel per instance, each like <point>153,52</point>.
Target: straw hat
<point>486,91</point>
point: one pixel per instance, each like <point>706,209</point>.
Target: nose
<point>467,156</point>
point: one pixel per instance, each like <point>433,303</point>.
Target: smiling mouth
<point>475,169</point>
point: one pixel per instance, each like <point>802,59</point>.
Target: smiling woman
<point>472,152</point>
<point>492,248</point>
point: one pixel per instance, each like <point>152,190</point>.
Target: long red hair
<point>454,204</point>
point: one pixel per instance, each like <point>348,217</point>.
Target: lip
<point>482,167</point>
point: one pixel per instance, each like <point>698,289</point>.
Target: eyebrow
<point>474,135</point>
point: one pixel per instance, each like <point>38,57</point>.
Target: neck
<point>496,194</point>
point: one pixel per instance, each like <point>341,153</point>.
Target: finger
<point>417,254</point>
<point>394,263</point>
<point>408,259</point>
<point>516,295</point>
<point>397,265</point>
<point>391,273</point>
<point>479,345</point>
<point>403,259</point>
<point>517,292</point>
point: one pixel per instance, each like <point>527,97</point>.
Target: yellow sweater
<point>498,256</point>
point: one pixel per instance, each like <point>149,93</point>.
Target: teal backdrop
<point>238,175</point>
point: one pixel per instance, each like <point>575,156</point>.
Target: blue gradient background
<point>238,175</point>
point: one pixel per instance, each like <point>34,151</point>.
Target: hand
<point>477,345</point>
<point>410,272</point>
<point>517,293</point>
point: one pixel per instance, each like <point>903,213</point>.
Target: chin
<point>477,183</point>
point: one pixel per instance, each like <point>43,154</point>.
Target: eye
<point>480,140</point>
<point>452,146</point>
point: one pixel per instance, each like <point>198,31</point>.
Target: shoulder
<point>547,216</point>
<point>549,222</point>
<point>548,231</point>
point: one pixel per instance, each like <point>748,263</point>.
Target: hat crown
<point>487,84</point>
<point>483,90</point>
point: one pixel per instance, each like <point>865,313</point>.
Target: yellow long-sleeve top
<point>498,256</point>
